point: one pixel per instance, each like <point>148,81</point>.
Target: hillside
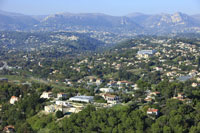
<point>14,21</point>
<point>59,41</point>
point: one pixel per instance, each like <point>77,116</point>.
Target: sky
<point>111,7</point>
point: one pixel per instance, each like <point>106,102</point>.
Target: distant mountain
<point>197,17</point>
<point>39,17</point>
<point>100,22</point>
<point>132,24</point>
<point>167,23</point>
<point>138,17</point>
<point>14,21</point>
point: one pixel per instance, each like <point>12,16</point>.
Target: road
<point>5,66</point>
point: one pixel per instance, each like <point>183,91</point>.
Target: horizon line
<point>96,13</point>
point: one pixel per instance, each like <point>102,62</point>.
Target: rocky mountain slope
<point>136,23</point>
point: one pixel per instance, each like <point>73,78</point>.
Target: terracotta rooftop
<point>14,97</point>
<point>109,95</point>
<point>152,110</point>
<point>9,127</point>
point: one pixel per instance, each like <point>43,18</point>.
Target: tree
<point>24,128</point>
<point>59,114</point>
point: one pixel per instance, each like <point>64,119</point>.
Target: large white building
<point>86,99</point>
<point>106,90</point>
<point>146,53</point>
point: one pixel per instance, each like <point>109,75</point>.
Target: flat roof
<point>84,97</point>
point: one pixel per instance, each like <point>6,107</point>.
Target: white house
<point>13,99</point>
<point>50,108</point>
<point>106,90</point>
<point>194,84</point>
<point>99,81</point>
<point>113,99</point>
<point>135,87</point>
<point>46,95</point>
<point>123,83</point>
<point>151,111</point>
<point>61,95</point>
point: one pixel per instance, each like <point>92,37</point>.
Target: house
<point>69,83</point>
<point>198,79</point>
<point>55,108</point>
<point>123,83</point>
<point>156,93</point>
<point>80,81</point>
<point>3,80</point>
<point>46,95</point>
<point>113,99</point>
<point>62,95</point>
<point>13,99</point>
<point>75,110</point>
<point>152,111</point>
<point>148,99</point>
<point>184,78</point>
<point>91,78</point>
<point>9,129</point>
<point>63,103</point>
<point>158,69</point>
<point>151,96</point>
<point>99,81</point>
<point>112,83</point>
<point>87,99</point>
<point>49,109</point>
<point>182,98</point>
<point>146,53</point>
<point>194,84</point>
<point>135,87</point>
<point>106,90</point>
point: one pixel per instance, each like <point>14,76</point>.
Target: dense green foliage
<point>174,116</point>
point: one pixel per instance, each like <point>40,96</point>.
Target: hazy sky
<point>112,7</point>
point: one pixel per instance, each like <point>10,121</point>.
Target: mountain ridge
<point>134,23</point>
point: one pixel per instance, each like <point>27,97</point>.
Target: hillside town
<point>144,75</point>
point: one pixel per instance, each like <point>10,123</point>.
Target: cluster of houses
<point>94,81</point>
<point>76,103</point>
<point>163,52</point>
<point>58,104</point>
<point>151,96</point>
<point>182,98</point>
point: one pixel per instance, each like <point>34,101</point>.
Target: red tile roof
<point>152,110</point>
